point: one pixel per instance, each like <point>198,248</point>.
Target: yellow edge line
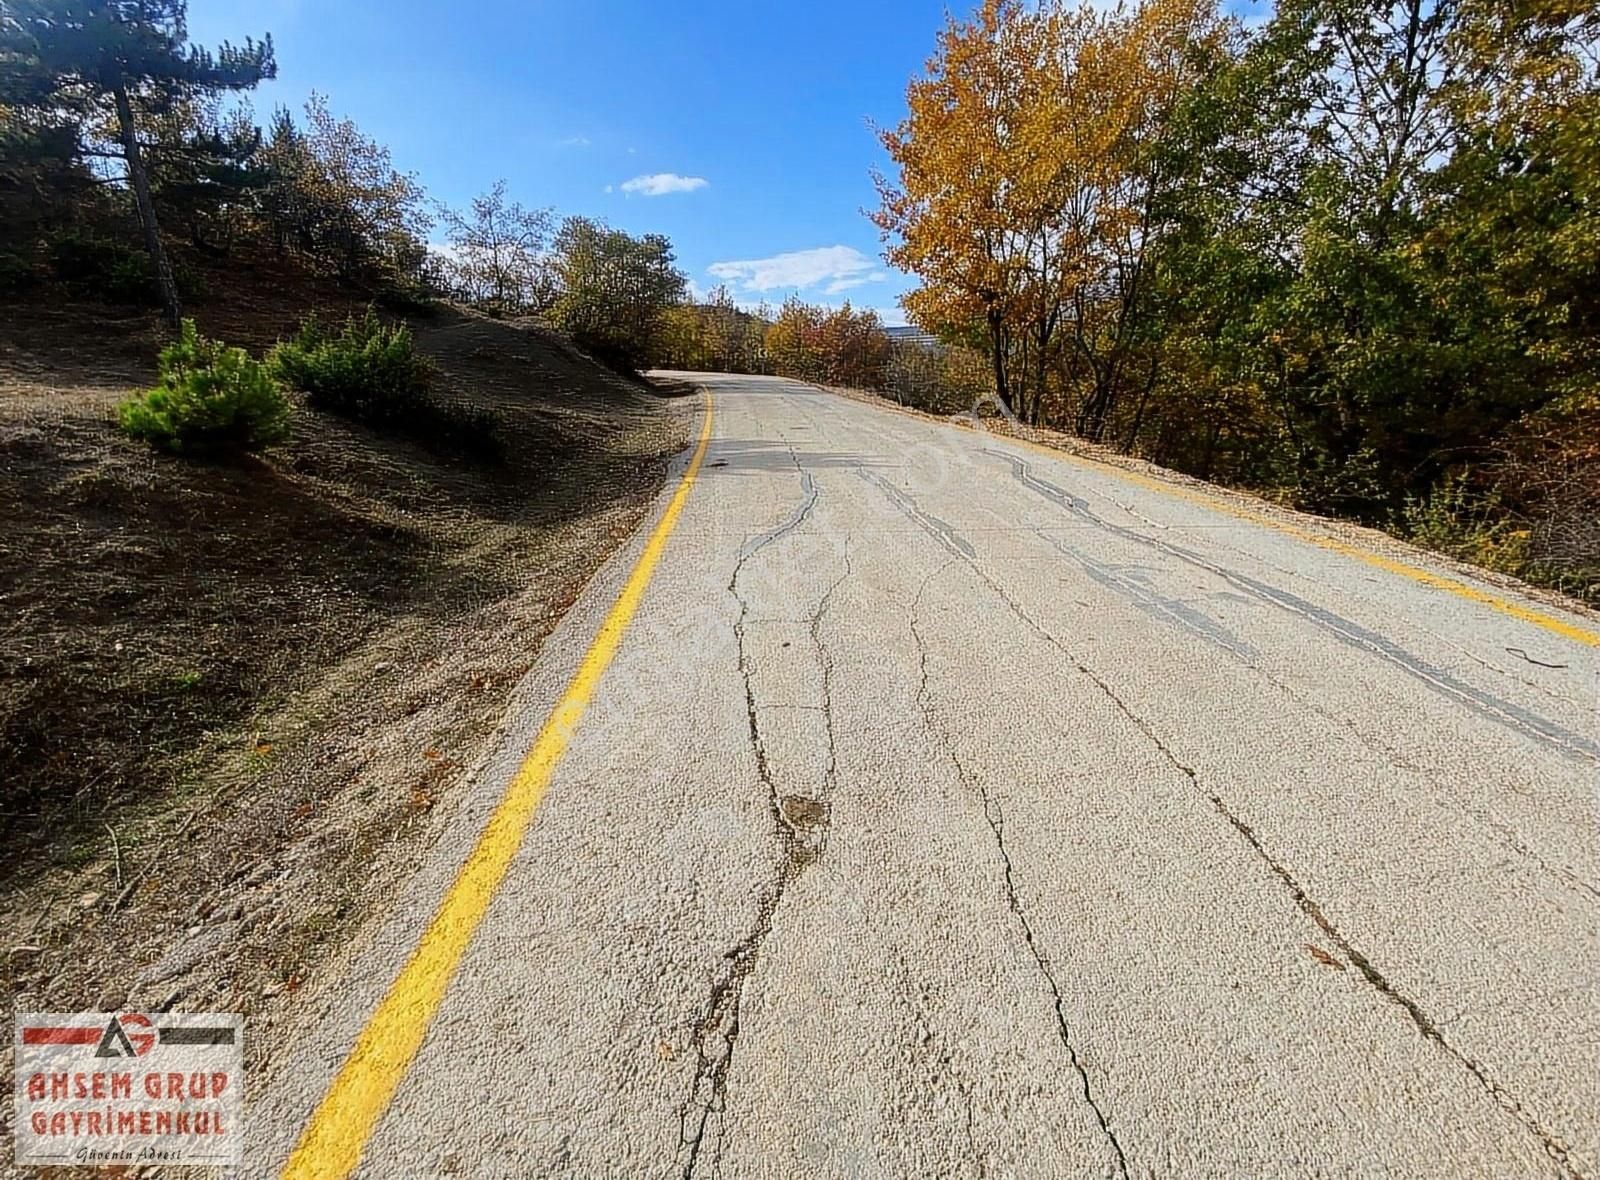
<point>332,1142</point>
<point>1414,573</point>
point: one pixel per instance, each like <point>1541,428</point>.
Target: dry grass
<point>294,656</point>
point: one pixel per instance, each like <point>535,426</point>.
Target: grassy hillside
<point>297,650</point>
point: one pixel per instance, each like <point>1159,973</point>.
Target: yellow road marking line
<point>338,1131</point>
<point>1416,574</point>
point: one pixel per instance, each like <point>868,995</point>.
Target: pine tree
<point>76,56</point>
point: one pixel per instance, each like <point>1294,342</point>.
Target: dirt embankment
<point>231,695</point>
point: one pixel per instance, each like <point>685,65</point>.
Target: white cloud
<point>841,285</point>
<point>658,184</point>
<point>574,141</point>
<point>839,267</point>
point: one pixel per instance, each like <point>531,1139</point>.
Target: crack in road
<point>1558,1151</point>
<point>808,501</point>
<point>825,658</point>
<point>1024,475</point>
<point>1216,538</point>
<point>939,530</point>
<point>1354,635</point>
<point>1174,611</point>
<point>719,1028</point>
<point>1553,1145</point>
<point>996,820</point>
<point>800,832</point>
<point>1502,831</point>
<point>1201,626</point>
<point>1349,633</point>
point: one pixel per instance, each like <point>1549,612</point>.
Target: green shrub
<point>16,274</point>
<point>112,271</point>
<point>81,258</point>
<point>1477,527</point>
<point>370,372</point>
<point>97,266</point>
<point>129,281</point>
<point>211,399</point>
<point>1470,526</point>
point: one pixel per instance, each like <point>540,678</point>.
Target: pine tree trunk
<point>140,179</point>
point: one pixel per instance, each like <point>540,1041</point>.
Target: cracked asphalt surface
<point>952,809</point>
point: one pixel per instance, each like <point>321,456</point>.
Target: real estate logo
<point>103,1088</point>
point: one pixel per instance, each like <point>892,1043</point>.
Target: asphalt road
<point>949,808</point>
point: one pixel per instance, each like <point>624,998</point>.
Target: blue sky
<point>767,104</point>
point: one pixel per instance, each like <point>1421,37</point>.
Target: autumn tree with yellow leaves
<point>1348,253</point>
<point>1026,179</point>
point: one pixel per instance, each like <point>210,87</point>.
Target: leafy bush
<point>211,399</point>
<point>16,274</point>
<point>77,258</point>
<point>615,292</point>
<point>370,372</point>
<point>111,270</point>
<point>130,281</point>
<point>1478,527</point>
<point>97,266</point>
<point>1470,526</point>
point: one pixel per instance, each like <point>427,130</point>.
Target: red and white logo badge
<point>103,1088</point>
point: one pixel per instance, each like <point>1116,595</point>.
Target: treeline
<point>1352,255</point>
<point>835,346</point>
<point>126,174</point>
<point>839,346</point>
<point>612,292</point>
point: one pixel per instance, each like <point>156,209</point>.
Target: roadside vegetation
<point>838,346</point>
<point>280,282</point>
<point>370,371</point>
<point>127,177</point>
<point>211,400</point>
<point>298,468</point>
<point>1350,256</point>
